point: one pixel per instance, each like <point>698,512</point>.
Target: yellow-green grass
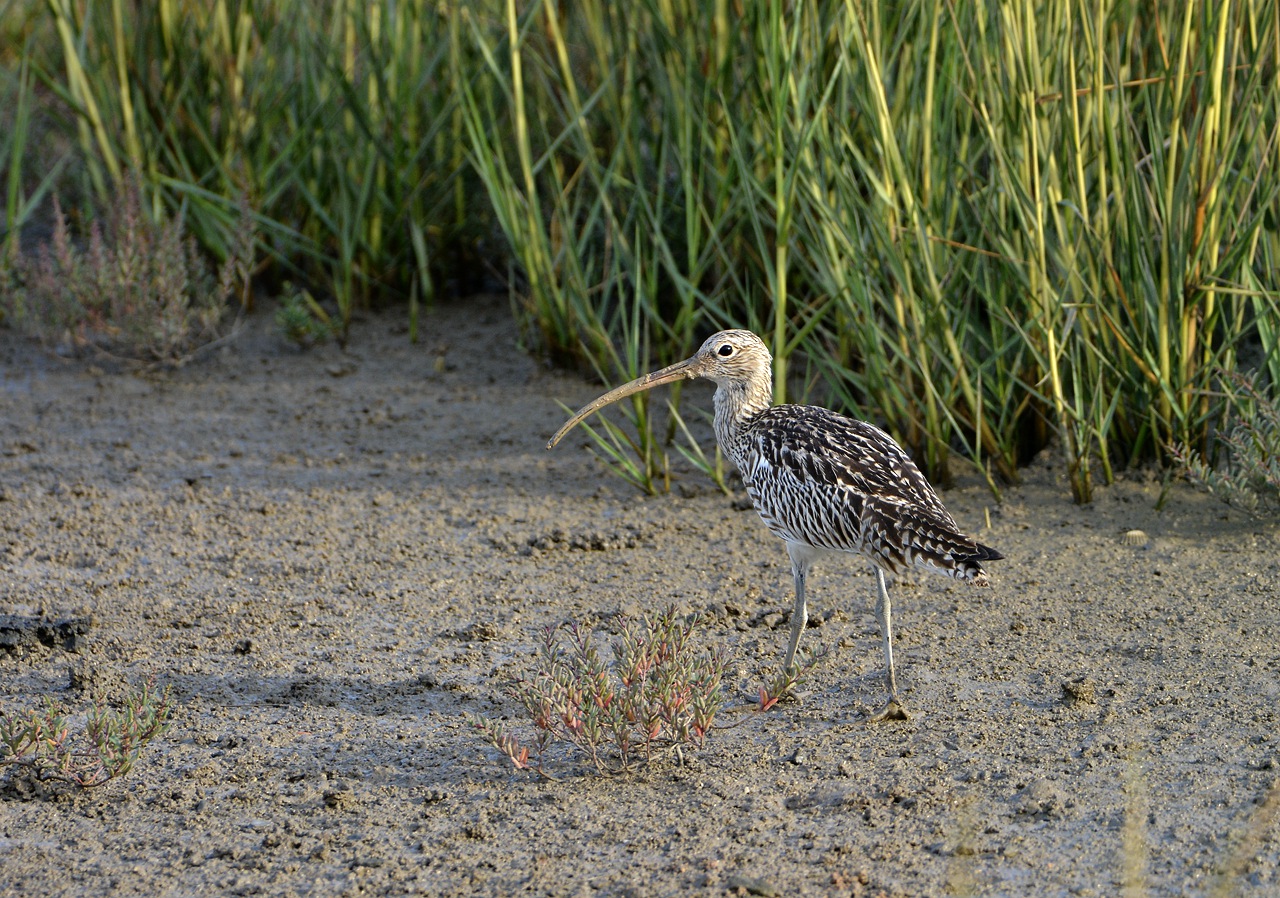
<point>984,226</point>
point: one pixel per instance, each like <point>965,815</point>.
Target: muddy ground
<point>331,557</point>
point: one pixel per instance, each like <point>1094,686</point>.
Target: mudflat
<point>332,557</point>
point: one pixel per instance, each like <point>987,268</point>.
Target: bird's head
<point>728,357</point>
<point>732,356</point>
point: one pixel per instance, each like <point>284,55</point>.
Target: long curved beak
<point>679,371</point>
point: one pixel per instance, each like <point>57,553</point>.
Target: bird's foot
<point>893,710</point>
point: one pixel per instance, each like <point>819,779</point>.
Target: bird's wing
<point>825,480</point>
<point>833,482</point>
<point>844,454</point>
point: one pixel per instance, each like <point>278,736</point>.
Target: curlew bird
<point>822,482</point>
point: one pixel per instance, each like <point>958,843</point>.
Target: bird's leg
<point>799,614</point>
<point>884,615</point>
<point>892,709</point>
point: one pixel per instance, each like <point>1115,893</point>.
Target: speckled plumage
<point>820,481</point>
<point>839,484</point>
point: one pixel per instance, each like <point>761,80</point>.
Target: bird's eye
<point>726,350</point>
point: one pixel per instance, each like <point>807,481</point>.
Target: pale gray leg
<point>884,615</point>
<point>800,613</point>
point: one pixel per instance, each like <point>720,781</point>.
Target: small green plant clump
<point>139,289</point>
<point>662,692</point>
<point>1249,474</point>
<point>44,743</point>
<point>302,320</point>
<point>786,681</point>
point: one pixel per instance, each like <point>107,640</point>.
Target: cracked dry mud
<point>332,557</point>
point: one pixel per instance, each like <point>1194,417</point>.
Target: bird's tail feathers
<point>943,549</point>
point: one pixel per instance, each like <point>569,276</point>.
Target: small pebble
<point>1079,691</point>
<point>753,885</point>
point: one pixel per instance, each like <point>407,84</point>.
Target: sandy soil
<point>331,557</point>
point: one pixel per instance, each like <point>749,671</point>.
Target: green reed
<point>987,227</point>
<point>336,123</point>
